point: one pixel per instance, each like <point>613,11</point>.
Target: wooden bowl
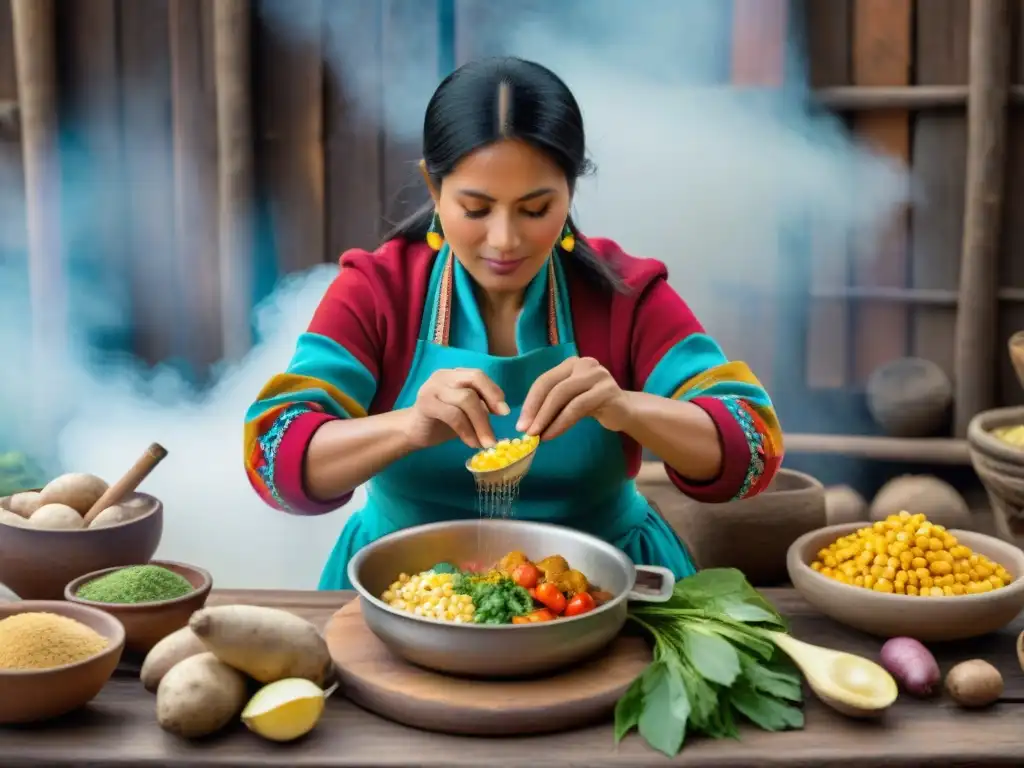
<point>37,564</point>
<point>35,695</point>
<point>927,619</point>
<point>146,624</point>
<point>753,534</point>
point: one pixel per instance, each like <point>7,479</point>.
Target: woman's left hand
<point>577,388</point>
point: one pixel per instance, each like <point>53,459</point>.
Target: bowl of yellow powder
<point>54,658</point>
<point>151,600</point>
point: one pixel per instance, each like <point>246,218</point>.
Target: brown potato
<point>25,503</point>
<point>199,696</point>
<point>268,644</point>
<point>115,515</point>
<point>75,489</point>
<point>166,654</point>
<point>56,517</point>
<point>974,683</point>
<point>9,518</point>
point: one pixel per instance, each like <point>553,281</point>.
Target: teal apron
<point>578,479</point>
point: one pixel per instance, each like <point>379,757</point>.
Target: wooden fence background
<point>152,227</point>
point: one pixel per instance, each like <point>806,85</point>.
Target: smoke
<point>720,184</point>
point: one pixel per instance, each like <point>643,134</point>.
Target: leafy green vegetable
<point>714,660</point>
<point>18,473</point>
<point>496,602</point>
<point>445,568</point>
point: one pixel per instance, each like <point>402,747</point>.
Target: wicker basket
<point>1001,468</point>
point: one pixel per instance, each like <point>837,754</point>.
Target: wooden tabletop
<point>119,727</point>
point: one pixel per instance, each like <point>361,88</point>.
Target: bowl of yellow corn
<point>906,576</point>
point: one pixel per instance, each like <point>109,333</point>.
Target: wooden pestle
<point>129,482</point>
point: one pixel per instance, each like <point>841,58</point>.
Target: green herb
<point>714,662</point>
<point>496,602</point>
<point>136,584</point>
<point>445,568</point>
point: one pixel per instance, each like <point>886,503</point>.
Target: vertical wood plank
<point>411,59</point>
<point>940,144</point>
<point>35,50</point>
<point>146,130</point>
<point>882,32</point>
<point>1012,243</point>
<point>352,117</point>
<point>96,224</point>
<point>289,115</point>
<point>975,357</point>
<point>13,232</point>
<point>828,36</point>
<point>236,179</point>
<point>759,43</point>
<point>195,179</point>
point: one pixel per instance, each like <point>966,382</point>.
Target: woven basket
<point>1001,468</point>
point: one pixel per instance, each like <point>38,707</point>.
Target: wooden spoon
<point>850,684</point>
<point>131,480</point>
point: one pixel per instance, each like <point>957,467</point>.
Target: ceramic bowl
<point>36,695</point>
<point>146,624</point>
<point>753,534</point>
<point>926,619</point>
<point>1001,469</point>
<point>37,564</point>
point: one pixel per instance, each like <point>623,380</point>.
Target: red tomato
<point>526,575</point>
<point>551,597</point>
<point>521,620</point>
<point>581,603</point>
<point>542,614</point>
<point>533,592</point>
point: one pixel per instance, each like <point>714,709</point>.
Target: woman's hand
<point>572,390</point>
<point>456,403</point>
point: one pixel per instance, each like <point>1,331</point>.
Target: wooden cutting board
<point>377,680</point>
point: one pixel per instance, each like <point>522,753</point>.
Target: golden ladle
<point>848,683</point>
<point>506,475</point>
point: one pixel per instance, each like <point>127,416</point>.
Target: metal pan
<point>513,650</point>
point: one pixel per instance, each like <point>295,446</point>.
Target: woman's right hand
<point>457,402</point>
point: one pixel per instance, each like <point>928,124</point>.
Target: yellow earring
<point>434,237</point>
<point>568,241</point>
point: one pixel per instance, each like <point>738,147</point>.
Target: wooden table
<point>119,728</point>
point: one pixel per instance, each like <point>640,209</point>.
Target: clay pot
<point>753,534</point>
<point>909,397</point>
<point>1016,346</point>
<point>1001,469</point>
<point>844,505</point>
<point>936,499</point>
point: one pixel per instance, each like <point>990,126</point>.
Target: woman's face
<point>502,210</point>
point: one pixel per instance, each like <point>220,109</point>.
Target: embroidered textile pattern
<point>270,441</point>
<point>755,440</point>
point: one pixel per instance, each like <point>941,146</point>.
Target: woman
<point>490,315</point>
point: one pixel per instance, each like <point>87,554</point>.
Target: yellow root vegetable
<point>268,644</point>
<point>199,696</point>
<point>285,710</point>
<point>166,654</point>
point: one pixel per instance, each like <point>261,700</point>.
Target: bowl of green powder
<point>152,600</point>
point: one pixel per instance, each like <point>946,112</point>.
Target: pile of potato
<point>202,674</point>
<point>62,504</point>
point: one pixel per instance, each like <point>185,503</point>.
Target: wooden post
<point>975,356</point>
<point>35,57</point>
<point>236,174</point>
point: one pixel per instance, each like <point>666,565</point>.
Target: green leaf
<point>713,656</point>
<point>766,712</point>
<point>748,613</point>
<point>628,709</point>
<point>666,708</point>
<point>763,678</point>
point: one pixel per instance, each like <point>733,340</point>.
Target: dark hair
<point>493,99</point>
